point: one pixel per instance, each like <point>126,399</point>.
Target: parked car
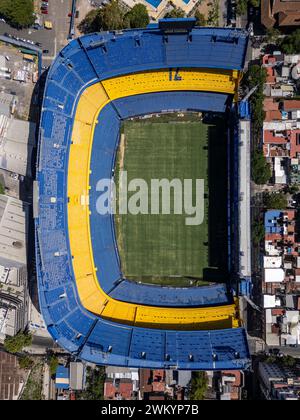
<point>45,12</point>
<point>45,51</point>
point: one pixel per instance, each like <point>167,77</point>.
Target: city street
<point>52,40</point>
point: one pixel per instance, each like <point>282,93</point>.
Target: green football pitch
<point>162,248</point>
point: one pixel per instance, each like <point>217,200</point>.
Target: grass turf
<point>162,249</point>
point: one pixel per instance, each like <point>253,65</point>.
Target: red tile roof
<point>292,104</point>
<point>270,105</point>
<point>124,390</point>
<point>159,386</point>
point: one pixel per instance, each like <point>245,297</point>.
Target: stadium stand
<point>94,83</point>
<point>171,102</point>
<point>213,295</point>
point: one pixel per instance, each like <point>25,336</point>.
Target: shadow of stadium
<point>217,271</point>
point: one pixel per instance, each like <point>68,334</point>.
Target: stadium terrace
<point>95,83</point>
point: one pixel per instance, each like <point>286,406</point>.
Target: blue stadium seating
<point>82,62</point>
<point>170,296</point>
<point>170,102</point>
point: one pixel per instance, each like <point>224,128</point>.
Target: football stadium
<point>142,290</point>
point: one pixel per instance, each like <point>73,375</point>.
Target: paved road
<point>52,40</point>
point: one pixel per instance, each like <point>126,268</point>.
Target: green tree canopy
<point>53,364</point>
<point>293,189</point>
<point>273,34</point>
<point>18,13</point>
<point>213,13</point>
<point>95,384</point>
<point>90,23</point>
<point>109,18</point>
<point>137,17</point>
<point>261,171</point>
<point>241,7</point>
<point>258,231</point>
<point>257,76</point>
<point>18,342</point>
<point>200,18</point>
<point>255,3</point>
<point>277,201</point>
<point>290,44</point>
<point>199,385</point>
<point>175,13</point>
<point>25,362</point>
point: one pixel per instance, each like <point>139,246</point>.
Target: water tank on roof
<point>296,72</point>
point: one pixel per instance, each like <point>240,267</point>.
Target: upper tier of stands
<point>104,338</point>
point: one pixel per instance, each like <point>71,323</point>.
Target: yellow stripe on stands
<point>205,80</point>
<point>92,297</point>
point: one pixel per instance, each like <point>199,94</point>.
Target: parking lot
<point>52,40</point>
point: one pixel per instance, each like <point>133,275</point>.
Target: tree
<point>18,13</point>
<point>95,384</point>
<point>137,17</point>
<point>288,361</point>
<point>261,171</point>
<point>275,201</point>
<point>258,231</point>
<point>241,7</point>
<point>18,342</point>
<point>175,13</point>
<point>2,189</point>
<point>53,363</point>
<point>256,77</point>
<point>200,18</point>
<point>213,14</point>
<point>25,362</point>
<point>291,43</point>
<point>293,189</point>
<point>272,35</point>
<point>255,3</point>
<point>109,18</point>
<point>90,23</point>
<point>199,384</point>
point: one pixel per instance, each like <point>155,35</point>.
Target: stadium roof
<point>17,139</point>
<point>62,377</point>
<point>13,225</point>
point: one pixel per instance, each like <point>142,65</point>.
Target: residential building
<point>121,383</point>
<point>17,141</point>
<point>281,13</point>
<point>278,382</point>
